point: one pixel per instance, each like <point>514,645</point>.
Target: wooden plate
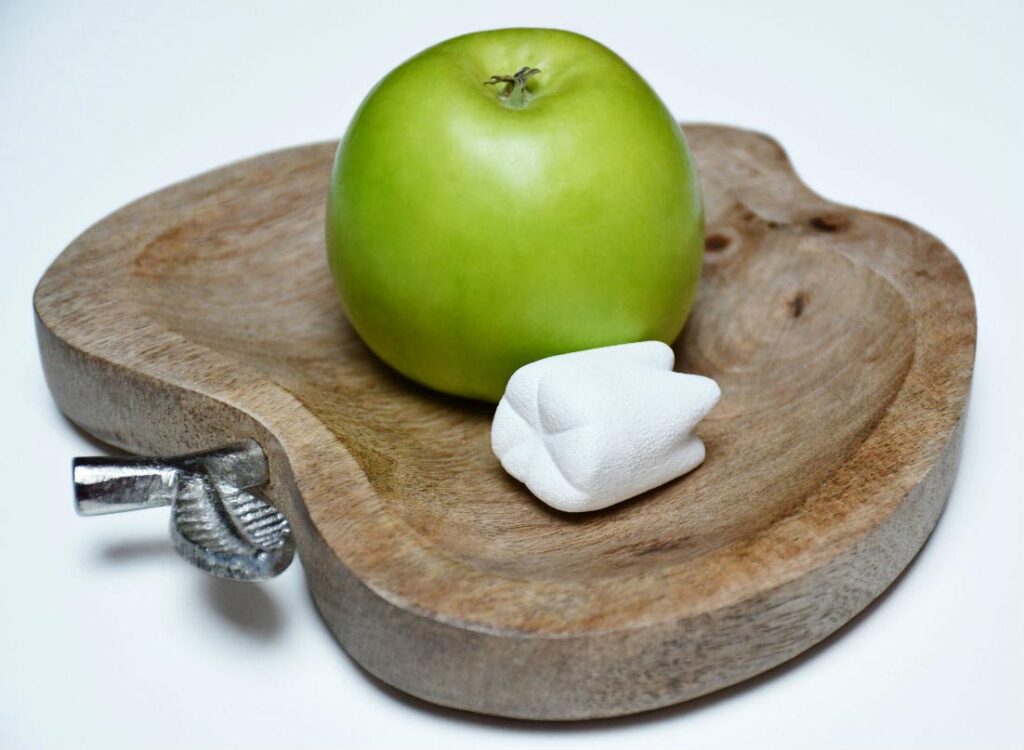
<point>843,342</point>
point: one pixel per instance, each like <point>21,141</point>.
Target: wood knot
<point>797,304</point>
<point>829,222</point>
<point>714,243</point>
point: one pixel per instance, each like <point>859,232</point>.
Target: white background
<point>107,640</point>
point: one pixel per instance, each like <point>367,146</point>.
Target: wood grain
<point>843,342</point>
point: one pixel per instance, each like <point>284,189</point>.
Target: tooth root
<point>602,425</point>
<point>654,354</point>
<point>665,403</point>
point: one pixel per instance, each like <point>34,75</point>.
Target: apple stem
<point>514,93</point>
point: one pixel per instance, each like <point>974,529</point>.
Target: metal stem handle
<point>219,522</point>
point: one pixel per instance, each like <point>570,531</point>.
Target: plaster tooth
<point>592,428</point>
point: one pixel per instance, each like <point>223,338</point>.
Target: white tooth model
<point>593,428</point>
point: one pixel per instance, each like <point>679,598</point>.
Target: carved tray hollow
<point>843,341</point>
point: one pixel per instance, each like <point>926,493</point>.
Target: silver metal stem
<point>219,522</point>
<point>112,485</point>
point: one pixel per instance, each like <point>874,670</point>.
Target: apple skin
<point>468,237</point>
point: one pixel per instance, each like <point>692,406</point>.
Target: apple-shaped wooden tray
<point>843,341</point>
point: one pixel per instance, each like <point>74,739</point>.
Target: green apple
<point>509,195</point>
